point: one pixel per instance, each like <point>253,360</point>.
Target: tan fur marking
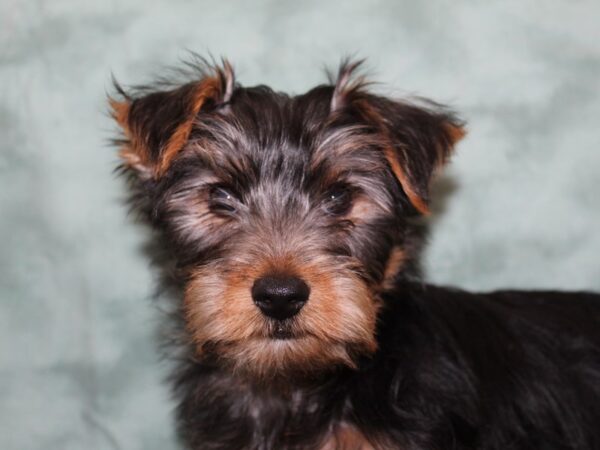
<point>120,112</point>
<point>346,437</point>
<point>414,198</point>
<point>363,210</point>
<point>455,133</point>
<point>132,152</point>
<point>339,313</point>
<point>394,264</point>
<point>207,88</point>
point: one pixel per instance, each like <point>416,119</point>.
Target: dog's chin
<point>283,354</point>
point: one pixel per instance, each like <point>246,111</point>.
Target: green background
<point>517,207</point>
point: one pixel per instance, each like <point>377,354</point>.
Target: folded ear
<point>418,137</point>
<point>157,124</point>
<point>420,140</point>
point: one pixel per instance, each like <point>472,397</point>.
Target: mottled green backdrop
<point>519,205</point>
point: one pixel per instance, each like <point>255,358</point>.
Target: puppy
<point>288,226</point>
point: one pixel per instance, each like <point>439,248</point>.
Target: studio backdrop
<point>519,206</point>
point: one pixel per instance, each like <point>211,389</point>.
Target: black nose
<point>280,297</point>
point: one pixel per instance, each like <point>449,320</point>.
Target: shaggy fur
<point>326,188</point>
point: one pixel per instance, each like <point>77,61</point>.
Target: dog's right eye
<point>222,200</point>
<point>338,200</point>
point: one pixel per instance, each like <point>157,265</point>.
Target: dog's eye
<point>221,199</point>
<point>338,200</point>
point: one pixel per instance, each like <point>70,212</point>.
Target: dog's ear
<point>418,141</point>
<point>156,124</point>
<point>418,137</point>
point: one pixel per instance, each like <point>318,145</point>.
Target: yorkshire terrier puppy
<point>288,226</point>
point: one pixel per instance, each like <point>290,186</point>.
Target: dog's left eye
<point>338,200</point>
<point>222,200</point>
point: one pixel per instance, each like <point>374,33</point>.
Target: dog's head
<point>287,215</point>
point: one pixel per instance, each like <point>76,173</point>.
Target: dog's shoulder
<point>549,307</point>
<point>512,361</point>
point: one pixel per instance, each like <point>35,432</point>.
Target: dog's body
<point>454,370</point>
<point>289,222</point>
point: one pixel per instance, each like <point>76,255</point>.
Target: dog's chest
<point>347,437</point>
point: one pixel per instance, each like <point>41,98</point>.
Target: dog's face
<point>286,215</point>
